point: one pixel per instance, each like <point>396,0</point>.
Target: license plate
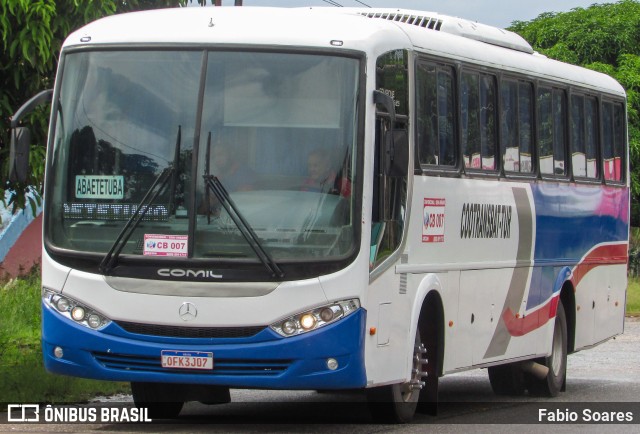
<point>187,360</point>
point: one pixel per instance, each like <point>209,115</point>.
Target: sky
<point>499,13</point>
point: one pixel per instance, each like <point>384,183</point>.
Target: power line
<point>333,3</point>
<point>363,4</point>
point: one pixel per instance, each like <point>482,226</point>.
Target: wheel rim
<point>410,390</point>
<point>556,355</point>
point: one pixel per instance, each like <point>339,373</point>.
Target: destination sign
<point>99,187</point>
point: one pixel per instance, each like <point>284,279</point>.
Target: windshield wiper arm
<point>174,179</point>
<point>111,258</point>
<point>214,184</point>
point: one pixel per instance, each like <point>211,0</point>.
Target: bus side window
<point>435,115</point>
<point>584,136</point>
<point>613,146</point>
<point>478,121</point>
<point>592,136</point>
<point>389,205</point>
<point>551,131</point>
<point>517,126</point>
<point>578,145</point>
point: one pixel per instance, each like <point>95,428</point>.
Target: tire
<point>397,403</point>
<point>554,382</point>
<point>156,398</point>
<point>507,380</point>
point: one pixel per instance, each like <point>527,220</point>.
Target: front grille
<point>190,332</point>
<point>229,367</point>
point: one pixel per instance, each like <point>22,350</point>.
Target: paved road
<point>605,378</point>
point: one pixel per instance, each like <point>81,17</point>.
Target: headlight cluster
<point>74,310</point>
<point>316,318</point>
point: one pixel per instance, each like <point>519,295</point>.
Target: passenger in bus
<point>322,177</point>
<point>227,167</point>
<point>234,175</point>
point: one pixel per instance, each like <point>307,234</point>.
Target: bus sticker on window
<point>165,245</point>
<point>433,218</point>
<point>99,187</point>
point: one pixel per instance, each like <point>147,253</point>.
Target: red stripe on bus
<point>521,325</point>
<point>609,254</point>
<point>604,255</point>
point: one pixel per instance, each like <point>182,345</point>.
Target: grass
<point>633,297</point>
<point>23,378</point>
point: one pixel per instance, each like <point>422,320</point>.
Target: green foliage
<point>22,374</point>
<point>31,35</point>
<point>605,38</point>
<point>20,321</point>
<point>633,297</point>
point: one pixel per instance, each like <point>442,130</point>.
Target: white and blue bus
<point>327,198</point>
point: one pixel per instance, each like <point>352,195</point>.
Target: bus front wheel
<point>397,403</point>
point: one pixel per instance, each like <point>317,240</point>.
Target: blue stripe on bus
<point>570,222</point>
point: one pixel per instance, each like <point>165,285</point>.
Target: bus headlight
<point>316,318</point>
<point>74,310</point>
<point>62,304</point>
<point>77,313</point>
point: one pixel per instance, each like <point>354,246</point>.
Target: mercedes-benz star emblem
<point>188,311</point>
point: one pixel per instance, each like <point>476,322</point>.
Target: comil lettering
<point>480,220</point>
<point>178,272</point>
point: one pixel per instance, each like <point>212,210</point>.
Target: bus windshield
<point>148,131</point>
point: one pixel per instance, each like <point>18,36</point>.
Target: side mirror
<point>387,102</point>
<point>21,138</point>
<point>19,154</point>
<point>396,153</point>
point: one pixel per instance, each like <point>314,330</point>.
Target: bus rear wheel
<point>554,382</point>
<point>397,403</point>
<point>157,399</point>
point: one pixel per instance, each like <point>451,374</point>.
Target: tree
<point>31,35</point>
<point>605,38</point>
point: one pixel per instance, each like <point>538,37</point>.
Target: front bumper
<point>265,360</point>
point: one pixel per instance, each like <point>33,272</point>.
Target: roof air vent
<point>454,26</point>
<point>415,20</point>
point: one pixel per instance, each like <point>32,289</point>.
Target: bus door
<point>387,292</point>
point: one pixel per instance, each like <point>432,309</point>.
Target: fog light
<point>57,351</point>
<point>332,364</point>
<point>307,321</point>
<point>77,313</point>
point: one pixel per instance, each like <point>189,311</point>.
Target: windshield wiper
<point>214,184</point>
<point>111,258</point>
<point>174,178</point>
